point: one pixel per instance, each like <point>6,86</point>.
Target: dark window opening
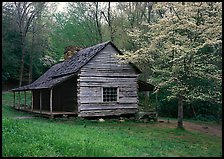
<point>110,94</point>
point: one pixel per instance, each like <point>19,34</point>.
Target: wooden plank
<point>14,100</point>
<point>122,87</point>
<point>107,81</point>
<point>105,78</point>
<point>107,112</point>
<point>121,101</point>
<point>99,99</point>
<point>108,74</point>
<point>106,84</point>
<point>25,99</point>
<point>40,102</point>
<point>93,100</point>
<point>51,102</point>
<point>90,91</point>
<point>18,100</point>
<point>113,67</point>
<point>98,107</point>
<point>106,62</point>
<point>109,67</point>
<point>87,99</point>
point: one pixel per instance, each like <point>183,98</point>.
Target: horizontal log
<point>122,95</point>
<point>122,87</point>
<point>106,112</point>
<point>100,102</point>
<point>106,79</point>
<point>91,92</point>
<point>106,61</point>
<point>90,99</point>
<point>97,91</point>
<point>108,74</point>
<point>107,68</point>
<point>107,84</point>
<point>113,104</point>
<point>128,100</point>
<point>112,107</point>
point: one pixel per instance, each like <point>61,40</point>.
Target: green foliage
<point>77,27</point>
<point>177,48</point>
<point>11,58</point>
<point>179,51</point>
<point>10,45</point>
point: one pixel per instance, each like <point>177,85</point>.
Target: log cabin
<point>91,82</point>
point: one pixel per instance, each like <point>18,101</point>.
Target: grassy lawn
<point>77,137</point>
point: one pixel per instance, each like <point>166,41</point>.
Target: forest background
<point>177,45</point>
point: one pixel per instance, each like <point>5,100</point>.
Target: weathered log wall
<point>105,71</point>
<point>100,112</point>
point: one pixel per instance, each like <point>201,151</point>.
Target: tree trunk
<point>109,23</point>
<point>31,59</point>
<point>180,112</point>
<point>22,61</point>
<point>149,11</point>
<point>193,111</point>
<point>98,22</point>
<point>31,66</point>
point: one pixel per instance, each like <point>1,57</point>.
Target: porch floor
<point>47,113</point>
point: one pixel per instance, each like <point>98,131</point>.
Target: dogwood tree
<point>183,47</point>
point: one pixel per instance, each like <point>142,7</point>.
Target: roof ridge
<point>79,59</point>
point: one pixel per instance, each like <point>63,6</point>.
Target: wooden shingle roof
<point>44,81</point>
<point>78,60</point>
<point>64,70</point>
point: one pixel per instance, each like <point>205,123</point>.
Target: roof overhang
<point>48,85</point>
<point>144,86</point>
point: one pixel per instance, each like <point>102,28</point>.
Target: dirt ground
<point>215,130</point>
<point>23,117</point>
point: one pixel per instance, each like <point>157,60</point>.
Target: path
<point>23,117</point>
<point>205,128</point>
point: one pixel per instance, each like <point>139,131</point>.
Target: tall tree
<point>80,26</point>
<point>178,46</point>
<point>10,43</point>
<point>35,28</point>
<point>98,20</point>
<point>25,13</point>
<point>109,19</point>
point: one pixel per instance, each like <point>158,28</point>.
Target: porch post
<point>40,102</point>
<point>14,99</point>
<point>19,100</point>
<point>51,102</point>
<point>145,105</point>
<point>25,100</point>
<point>32,101</point>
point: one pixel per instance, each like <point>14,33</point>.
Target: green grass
<point>77,137</point>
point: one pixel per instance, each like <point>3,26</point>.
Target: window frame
<point>110,101</point>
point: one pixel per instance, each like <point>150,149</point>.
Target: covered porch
<point>58,100</point>
<point>24,101</point>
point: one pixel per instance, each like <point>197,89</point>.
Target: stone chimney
<point>70,51</point>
